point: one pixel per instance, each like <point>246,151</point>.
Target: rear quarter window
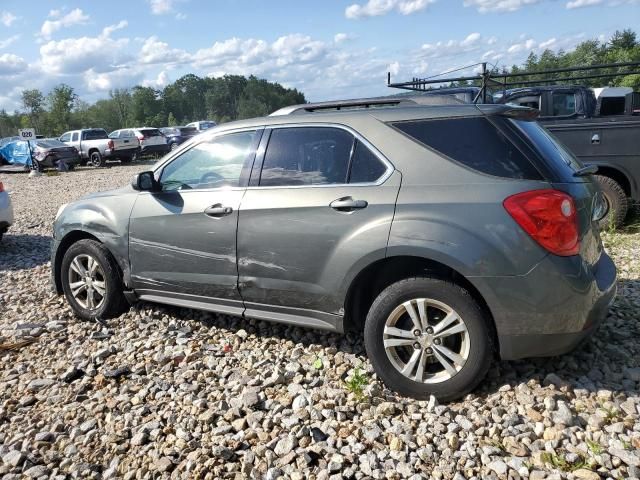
<point>473,142</point>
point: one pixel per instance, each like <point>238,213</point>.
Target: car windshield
<point>97,134</point>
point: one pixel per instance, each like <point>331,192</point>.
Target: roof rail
<point>364,103</point>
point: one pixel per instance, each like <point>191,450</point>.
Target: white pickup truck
<point>96,147</point>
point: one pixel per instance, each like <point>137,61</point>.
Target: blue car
<point>177,135</point>
<point>39,154</point>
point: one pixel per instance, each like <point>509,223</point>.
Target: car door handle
<point>348,204</point>
<point>217,210</point>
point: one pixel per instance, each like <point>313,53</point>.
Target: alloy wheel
<point>87,282</point>
<point>426,340</point>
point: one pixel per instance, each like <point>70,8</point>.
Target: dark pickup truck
<point>600,127</point>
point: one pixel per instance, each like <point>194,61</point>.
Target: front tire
<point>91,281</point>
<point>426,336</point>
<point>617,200</point>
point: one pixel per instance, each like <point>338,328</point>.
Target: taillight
<point>141,137</point>
<point>110,144</point>
<point>1,187</point>
<point>549,217</point>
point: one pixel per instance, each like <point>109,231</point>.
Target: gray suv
<point>448,234</point>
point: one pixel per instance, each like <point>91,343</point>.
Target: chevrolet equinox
<point>448,234</point>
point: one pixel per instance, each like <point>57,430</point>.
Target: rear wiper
<point>584,171</point>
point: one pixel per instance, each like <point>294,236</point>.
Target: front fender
<point>105,217</point>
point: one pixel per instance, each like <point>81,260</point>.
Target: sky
<point>328,49</point>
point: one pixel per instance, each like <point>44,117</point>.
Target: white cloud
<point>452,48</point>
<point>96,81</point>
<point>155,51</point>
<point>590,3</point>
<point>374,8</point>
<point>485,6</point>
<point>343,37</point>
<point>393,68</point>
<point>161,81</point>
<point>526,45</point>
<point>11,64</point>
<point>74,17</point>
<point>7,18</point>
<point>77,55</point>
<point>161,7</point>
<point>9,41</point>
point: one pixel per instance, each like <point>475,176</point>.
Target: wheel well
<point>376,277</point>
<point>618,176</point>
<point>66,242</point>
<point>93,150</point>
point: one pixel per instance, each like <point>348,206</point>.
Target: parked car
<point>6,211</point>
<point>95,146</point>
<point>42,153</point>
<point>444,249</point>
<point>202,125</point>
<point>146,140</point>
<point>178,135</point>
<point>599,127</point>
<point>48,153</point>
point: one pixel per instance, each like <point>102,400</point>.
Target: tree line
<point>622,47</point>
<point>188,99</point>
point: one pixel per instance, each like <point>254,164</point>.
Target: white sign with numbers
<point>27,133</point>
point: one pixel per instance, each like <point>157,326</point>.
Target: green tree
<point>61,101</point>
<point>171,120</point>
<point>33,102</point>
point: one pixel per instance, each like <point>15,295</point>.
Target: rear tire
<point>466,338</point>
<point>96,159</point>
<point>89,269</point>
<point>617,200</point>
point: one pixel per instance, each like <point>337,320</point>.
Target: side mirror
<point>145,182</point>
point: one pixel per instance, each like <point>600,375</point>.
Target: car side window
<point>66,137</point>
<point>212,164</point>
<point>126,134</point>
<point>115,134</point>
<point>306,156</point>
<point>366,167</point>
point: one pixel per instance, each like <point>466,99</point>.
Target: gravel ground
<point>167,392</point>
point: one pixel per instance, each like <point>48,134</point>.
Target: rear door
<point>320,202</point>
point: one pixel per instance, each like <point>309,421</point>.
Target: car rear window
<point>207,125</point>
<point>550,149</point>
<point>97,134</point>
<point>188,131</point>
<point>150,132</point>
<point>473,142</point>
<point>51,143</point>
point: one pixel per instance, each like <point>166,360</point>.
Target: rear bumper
<point>553,308</point>
<point>155,149</point>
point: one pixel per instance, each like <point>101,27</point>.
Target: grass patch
<point>560,462</point>
<point>595,447</point>
<point>357,382</point>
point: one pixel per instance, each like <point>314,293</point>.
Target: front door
<point>182,240</point>
<point>322,203</point>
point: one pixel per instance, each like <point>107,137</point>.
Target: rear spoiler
<point>510,110</point>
